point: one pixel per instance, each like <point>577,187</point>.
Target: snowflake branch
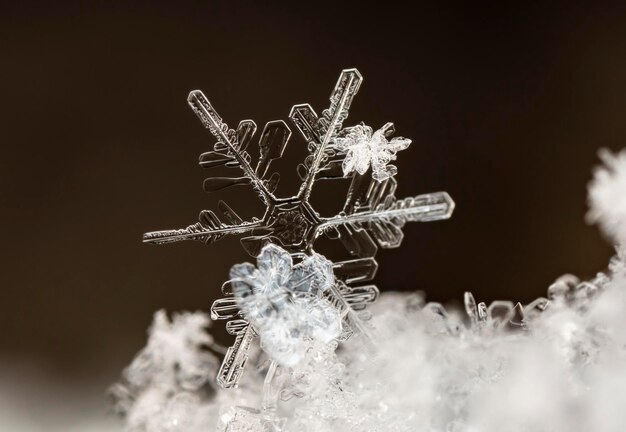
<point>232,366</point>
<point>330,123</point>
<point>227,137</point>
<point>422,208</point>
<point>198,232</point>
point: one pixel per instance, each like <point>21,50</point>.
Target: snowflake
<point>371,213</point>
<point>364,149</point>
<point>284,302</point>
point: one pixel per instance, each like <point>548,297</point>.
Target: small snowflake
<point>364,149</point>
<point>284,302</point>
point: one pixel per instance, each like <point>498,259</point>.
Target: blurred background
<point>506,107</point>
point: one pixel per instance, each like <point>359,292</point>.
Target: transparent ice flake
<point>371,217</point>
<point>364,149</point>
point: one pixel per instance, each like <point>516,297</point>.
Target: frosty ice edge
<point>371,216</point>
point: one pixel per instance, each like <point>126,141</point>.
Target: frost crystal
<point>284,302</point>
<point>371,215</point>
<point>364,149</point>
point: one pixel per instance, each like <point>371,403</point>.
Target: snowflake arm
<point>422,208</point>
<point>230,151</point>
<point>371,210</point>
<point>320,132</point>
<point>226,141</point>
<point>236,357</point>
<point>208,232</point>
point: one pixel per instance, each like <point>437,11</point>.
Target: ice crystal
<point>284,302</point>
<point>364,149</point>
<point>371,215</point>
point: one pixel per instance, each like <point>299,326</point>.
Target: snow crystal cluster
<point>172,366</point>
<point>557,364</point>
<point>284,302</point>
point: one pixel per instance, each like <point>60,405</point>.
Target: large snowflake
<point>371,213</point>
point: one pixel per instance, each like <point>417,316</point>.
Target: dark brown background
<point>506,107</point>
